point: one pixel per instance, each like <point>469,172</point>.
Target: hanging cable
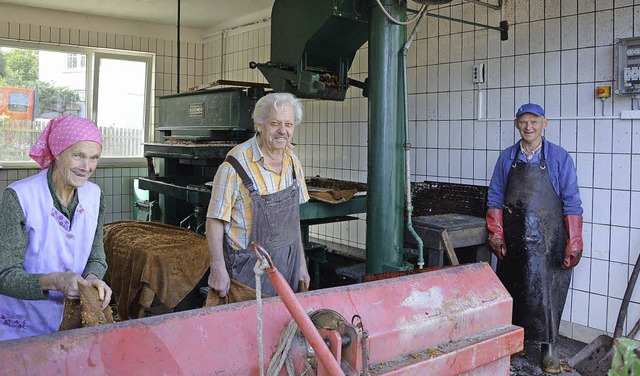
<point>390,17</point>
<point>259,269</point>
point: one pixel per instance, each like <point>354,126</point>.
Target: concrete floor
<point>528,363</point>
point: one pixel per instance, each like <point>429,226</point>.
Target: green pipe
<point>407,146</point>
<point>385,203</point>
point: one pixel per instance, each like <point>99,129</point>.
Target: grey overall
<point>536,238</point>
<point>275,226</point>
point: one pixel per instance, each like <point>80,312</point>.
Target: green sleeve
<point>97,262</point>
<point>14,281</point>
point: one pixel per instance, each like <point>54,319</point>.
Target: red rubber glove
<point>496,234</point>
<point>573,252</point>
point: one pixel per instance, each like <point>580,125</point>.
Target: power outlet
<point>478,73</point>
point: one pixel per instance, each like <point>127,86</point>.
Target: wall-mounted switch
<point>478,73</point>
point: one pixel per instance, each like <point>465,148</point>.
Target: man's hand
<point>304,273</point>
<point>498,247</point>
<point>65,282</point>
<point>104,291</point>
<point>218,276</point>
<point>219,279</point>
<point>496,234</point>
<point>573,252</point>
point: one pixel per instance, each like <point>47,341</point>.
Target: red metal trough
<point>446,322</point>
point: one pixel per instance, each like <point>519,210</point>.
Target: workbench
<point>312,212</point>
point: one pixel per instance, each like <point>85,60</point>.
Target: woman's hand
<point>65,282</point>
<point>104,291</point>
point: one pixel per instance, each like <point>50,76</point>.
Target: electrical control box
<point>628,66</point>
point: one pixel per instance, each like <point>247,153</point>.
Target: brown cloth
<point>239,293</point>
<point>148,260</point>
<point>86,311</point>
<point>333,196</point>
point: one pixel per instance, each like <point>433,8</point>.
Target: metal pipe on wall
<point>385,166</point>
<point>178,49</point>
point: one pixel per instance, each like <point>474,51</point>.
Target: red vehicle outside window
<point>16,103</point>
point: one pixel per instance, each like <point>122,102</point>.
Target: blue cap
<point>531,108</point>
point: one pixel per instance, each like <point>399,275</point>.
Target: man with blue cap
<point>534,221</point>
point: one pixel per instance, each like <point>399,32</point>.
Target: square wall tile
<point>568,135</point>
<point>603,136</point>
<point>582,275</point>
<point>552,34</point>
<point>635,137</point>
<point>602,171</point>
<point>480,166</point>
<point>580,307</point>
<point>586,66</point>
<point>617,279</point>
<point>521,70</point>
<point>604,29</point>
<point>612,317</point>
<point>620,203</point>
<point>455,134</point>
<point>566,312</point>
<point>600,242</point>
<point>635,172</point>
<point>604,63</point>
<point>568,64</point>
<point>443,162</point>
<point>552,68</point>
<point>432,162</point>
<point>569,32</point>
<point>622,137</point>
<point>493,135</point>
<point>623,20</point>
<point>621,173</point>
<point>635,209</point>
<point>598,311</point>
<point>586,136</point>
<point>536,69</point>
<point>601,206</point>
<point>620,244</point>
<point>599,276</point>
<point>587,230</point>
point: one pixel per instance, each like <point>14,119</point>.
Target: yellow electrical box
<point>603,92</point>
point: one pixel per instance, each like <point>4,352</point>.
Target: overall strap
<point>246,180</point>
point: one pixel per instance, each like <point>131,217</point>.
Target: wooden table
<point>445,232</point>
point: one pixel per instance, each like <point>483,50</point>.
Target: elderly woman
<point>255,197</point>
<point>52,231</point>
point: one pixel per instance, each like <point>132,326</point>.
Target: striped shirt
<point>230,199</point>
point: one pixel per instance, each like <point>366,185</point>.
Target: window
<point>112,89</point>
<point>120,100</point>
<point>18,102</point>
<point>76,61</point>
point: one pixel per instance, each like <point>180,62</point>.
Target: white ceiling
<point>201,14</point>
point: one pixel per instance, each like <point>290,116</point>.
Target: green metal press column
<point>385,193</point>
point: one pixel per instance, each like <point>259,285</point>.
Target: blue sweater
<point>561,170</point>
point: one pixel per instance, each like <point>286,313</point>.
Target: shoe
<point>550,362</point>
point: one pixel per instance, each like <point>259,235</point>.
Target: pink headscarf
<point>61,133</point>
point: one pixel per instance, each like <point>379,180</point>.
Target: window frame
<point>91,92</point>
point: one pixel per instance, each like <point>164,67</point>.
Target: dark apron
<point>536,238</point>
<point>275,226</point>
